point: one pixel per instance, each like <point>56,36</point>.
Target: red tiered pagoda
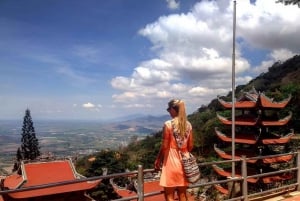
<point>259,131</point>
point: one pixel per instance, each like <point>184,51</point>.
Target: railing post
<point>140,183</point>
<point>298,170</point>
<point>244,176</point>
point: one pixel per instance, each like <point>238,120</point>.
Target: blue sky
<point>100,59</point>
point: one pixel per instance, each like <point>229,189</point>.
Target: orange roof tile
<point>13,181</point>
<point>41,173</point>
<point>56,190</point>
<point>153,186</point>
<point>149,186</point>
<point>48,172</point>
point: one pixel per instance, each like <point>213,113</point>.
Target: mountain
<point>282,79</point>
<point>140,124</point>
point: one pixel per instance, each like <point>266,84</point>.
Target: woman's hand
<point>157,164</point>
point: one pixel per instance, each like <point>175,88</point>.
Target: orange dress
<point>172,174</point>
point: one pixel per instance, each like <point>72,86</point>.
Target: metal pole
<point>233,93</point>
<point>298,172</point>
<point>140,184</point>
<point>244,175</point>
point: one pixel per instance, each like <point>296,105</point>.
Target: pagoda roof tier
<point>244,138</point>
<point>238,105</point>
<point>226,173</point>
<point>278,139</point>
<point>277,178</point>
<point>247,100</point>
<point>221,189</point>
<point>278,159</point>
<point>238,155</point>
<point>251,154</point>
<point>266,179</point>
<point>279,122</point>
<point>253,99</point>
<point>239,137</point>
<point>247,120</point>
<point>42,173</point>
<point>244,120</point>
<point>267,102</point>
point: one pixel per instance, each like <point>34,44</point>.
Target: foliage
<point>144,151</point>
<point>289,2</point>
<point>104,192</point>
<point>29,149</point>
<point>294,106</point>
<point>105,162</point>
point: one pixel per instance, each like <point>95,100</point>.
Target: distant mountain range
<point>139,123</point>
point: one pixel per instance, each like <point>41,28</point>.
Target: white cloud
<point>194,51</point>
<point>121,83</point>
<point>173,4</point>
<point>269,25</point>
<point>88,105</point>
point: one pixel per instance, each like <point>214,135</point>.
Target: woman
<point>172,176</point>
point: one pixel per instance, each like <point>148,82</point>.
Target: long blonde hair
<point>181,119</point>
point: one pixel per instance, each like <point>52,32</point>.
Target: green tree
<point>289,2</point>
<point>107,162</point>
<point>30,149</point>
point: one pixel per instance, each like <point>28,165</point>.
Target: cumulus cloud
<point>194,51</point>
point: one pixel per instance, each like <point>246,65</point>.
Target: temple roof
<point>45,173</point>
<point>246,138</point>
<point>239,137</point>
<point>226,173</point>
<point>250,120</point>
<point>250,154</point>
<point>254,99</point>
<point>149,186</point>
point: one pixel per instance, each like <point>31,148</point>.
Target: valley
<point>74,138</point>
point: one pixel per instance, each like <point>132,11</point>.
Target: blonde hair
<point>181,119</point>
